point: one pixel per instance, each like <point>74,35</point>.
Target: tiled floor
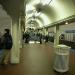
<point>36,59</point>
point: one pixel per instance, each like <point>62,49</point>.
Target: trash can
<point>61,58</point>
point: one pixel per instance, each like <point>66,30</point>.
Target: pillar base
<point>15,61</point>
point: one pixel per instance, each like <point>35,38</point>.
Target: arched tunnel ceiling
<point>37,19</point>
<point>31,24</point>
<point>52,12</point>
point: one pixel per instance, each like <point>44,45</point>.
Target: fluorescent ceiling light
<point>34,2</point>
<point>45,2</point>
<point>29,8</point>
<point>37,14</point>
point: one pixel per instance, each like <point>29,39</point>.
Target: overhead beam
<point>13,7</point>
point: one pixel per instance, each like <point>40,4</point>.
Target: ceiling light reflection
<point>45,2</point>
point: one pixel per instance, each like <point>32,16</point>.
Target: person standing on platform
<point>46,38</point>
<point>40,38</point>
<point>7,45</point>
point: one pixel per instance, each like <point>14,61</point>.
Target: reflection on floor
<point>36,59</point>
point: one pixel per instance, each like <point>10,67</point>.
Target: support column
<point>56,35</point>
<point>15,52</point>
<point>21,29</point>
<point>22,22</point>
<point>20,33</point>
<point>46,31</point>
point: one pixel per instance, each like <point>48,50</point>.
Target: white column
<point>20,34</point>
<point>15,52</point>
<point>22,26</point>
<point>45,31</point>
<point>56,35</point>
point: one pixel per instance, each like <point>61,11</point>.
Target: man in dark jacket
<point>7,45</point>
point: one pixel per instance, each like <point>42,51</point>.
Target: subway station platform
<point>36,59</point>
<point>27,21</point>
